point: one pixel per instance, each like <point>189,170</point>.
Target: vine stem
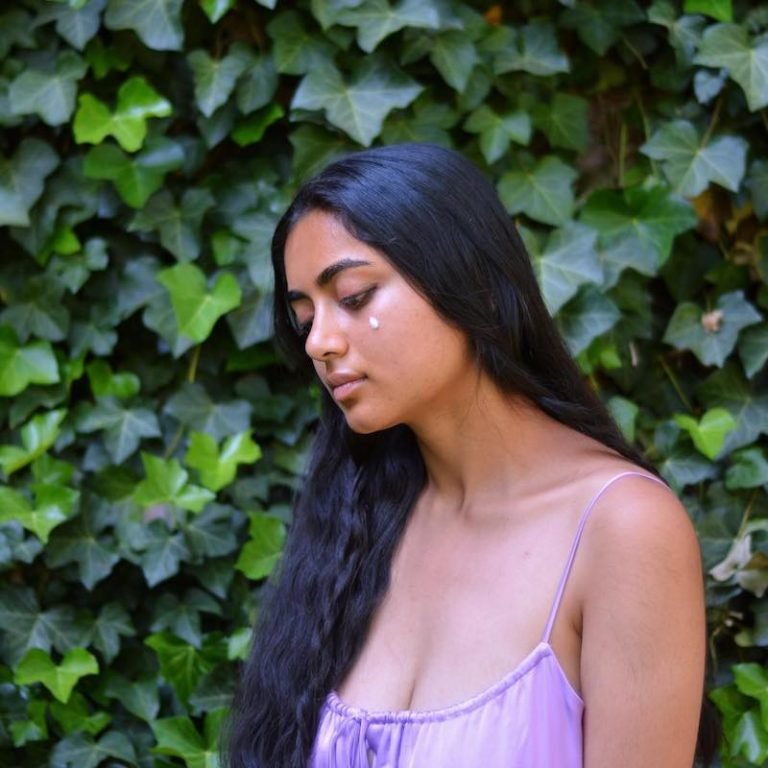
<point>675,383</point>
<point>191,376</point>
<point>622,152</point>
<point>713,122</point>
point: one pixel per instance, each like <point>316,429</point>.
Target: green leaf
<point>377,19</point>
<point>218,468</point>
<point>123,427</point>
<point>252,129</point>
<point>564,121</point>
<point>179,226</point>
<point>22,365</point>
<point>104,383</point>
<point>568,261</point>
<point>193,407</point>
<point>137,101</point>
<point>497,131</point>
<point>136,178</point>
<point>182,617</point>
<point>711,336</point>
<point>33,729</point>
<point>78,25</point>
<point>709,433</point>
<point>544,192</point>
<point>260,554</point>
<point>195,308</point>
<point>454,57</point>
<point>757,182</point>
<point>163,550</point>
<point>181,664</point>
<point>216,9</point>
<point>81,751</point>
<point>54,504</point>
<point>753,348</point>
<point>749,469</point>
<point>166,483</point>
<point>112,623</point>
<point>49,94</point>
<point>21,180</point>
<point>257,85</point>
<point>586,317</point>
<point>38,310</point>
<point>156,22</point>
<point>38,667</point>
<point>691,164</point>
<point>74,716</point>
<point>729,46</point>
<point>532,49</point>
<point>82,541</point>
<point>749,738</point>
<point>139,697</point>
<point>177,736</point>
<point>625,413</point>
<point>297,50</point>
<point>637,226</point>
<point>357,107</point>
<point>215,79</point>
<point>211,533</point>
<point>600,24</point>
<point>37,436</point>
<point>716,9</point>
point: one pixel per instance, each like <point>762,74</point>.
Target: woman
<point>480,572</point>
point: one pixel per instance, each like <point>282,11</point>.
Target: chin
<point>363,424</point>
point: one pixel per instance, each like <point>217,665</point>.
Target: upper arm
<point>643,631</point>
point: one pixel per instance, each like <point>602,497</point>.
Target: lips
<point>343,383</point>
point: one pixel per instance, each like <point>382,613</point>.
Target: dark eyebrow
<point>327,275</point>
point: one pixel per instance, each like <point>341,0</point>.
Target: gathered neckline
<point>543,650</point>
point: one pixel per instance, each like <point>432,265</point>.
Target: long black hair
<point>440,223</point>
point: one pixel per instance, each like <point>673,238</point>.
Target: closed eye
<point>357,300</point>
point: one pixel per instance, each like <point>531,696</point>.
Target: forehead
<point>318,240</point>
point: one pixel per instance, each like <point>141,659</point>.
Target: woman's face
<point>377,345</point>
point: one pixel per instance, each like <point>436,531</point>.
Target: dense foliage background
<point>149,439</point>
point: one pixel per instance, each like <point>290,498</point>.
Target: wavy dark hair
<point>440,223</point>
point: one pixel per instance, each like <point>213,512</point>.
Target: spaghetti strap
<point>575,546</point>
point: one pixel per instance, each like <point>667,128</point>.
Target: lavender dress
<point>529,719</point>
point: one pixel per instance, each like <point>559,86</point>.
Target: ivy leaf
<point>123,427</point>
<point>211,533</point>
<point>376,20</point>
<point>54,504</point>
<point>37,436</point>
<point>182,617</point>
<point>38,310</point>
<point>261,552</point>
<point>216,9</point>
<point>357,107</point>
<point>79,25</point>
<point>749,738</point>
<point>215,79</point>
<point>296,49</point>
<point>728,389</point>
<point>112,623</point>
<point>177,736</point>
<point>166,483</point>
<point>193,407</point>
<point>753,348</point>
<point>729,46</point>
<point>24,625</point>
<point>81,751</point>
<point>105,383</point>
<point>218,468</point>
<point>564,121</point>
<point>600,25</point>
<point>38,667</point>
<point>181,664</point>
<point>49,94</point>
<point>568,261</point>
<point>156,22</point>
<point>533,49</point>
<point>637,226</point>
<point>257,85</point>
<point>136,178</point>
<point>163,552</point>
<point>82,541</point>
<point>690,164</point>
<point>589,315</point>
<point>711,336</point>
<point>137,101</point>
<point>709,433</point>
<point>454,56</point>
<point>179,226</point>
<point>196,309</point>
<point>497,131</point>
<point>139,697</point>
<point>721,10</point>
<point>22,365</point>
<point>749,469</point>
<point>21,180</point>
<point>75,716</point>
<point>544,192</point>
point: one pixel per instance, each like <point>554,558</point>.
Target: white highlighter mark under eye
<point>374,323</point>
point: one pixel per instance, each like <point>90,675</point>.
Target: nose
<point>326,339</point>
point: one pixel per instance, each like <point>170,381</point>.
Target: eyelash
<point>354,302</point>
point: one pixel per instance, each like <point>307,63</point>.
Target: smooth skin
<point>477,568</point>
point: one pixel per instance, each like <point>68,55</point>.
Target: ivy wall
<point>150,442</point>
